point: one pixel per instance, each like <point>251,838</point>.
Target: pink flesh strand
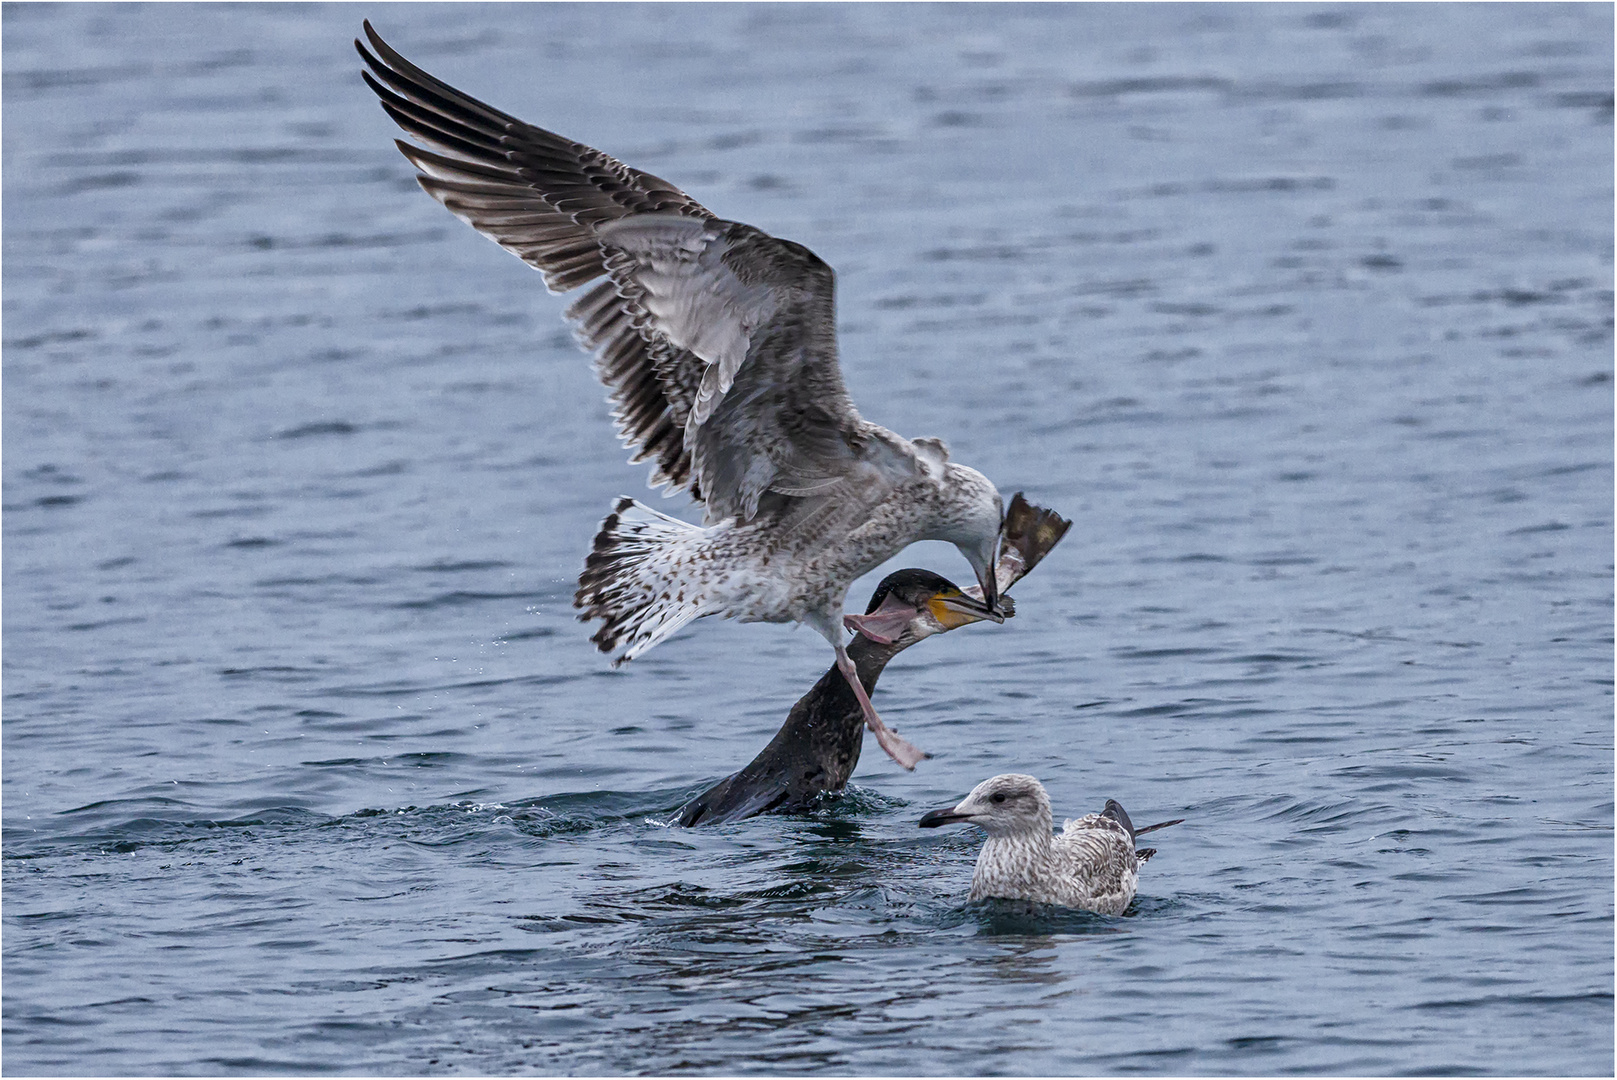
<point>884,625</point>
<point>899,749</point>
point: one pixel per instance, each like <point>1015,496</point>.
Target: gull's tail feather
<point>637,580</point>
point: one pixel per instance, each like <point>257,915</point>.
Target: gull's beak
<point>947,816</point>
<point>990,584</point>
<point>983,565</point>
<point>954,608</point>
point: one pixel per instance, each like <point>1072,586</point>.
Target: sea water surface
<point>1302,313</point>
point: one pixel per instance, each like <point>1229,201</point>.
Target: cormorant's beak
<point>953,608</point>
<point>933,818</point>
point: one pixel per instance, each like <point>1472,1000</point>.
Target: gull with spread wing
<point>718,343</point>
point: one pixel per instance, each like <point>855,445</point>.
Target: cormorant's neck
<point>870,657</point>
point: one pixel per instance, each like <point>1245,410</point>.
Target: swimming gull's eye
<point>998,798</point>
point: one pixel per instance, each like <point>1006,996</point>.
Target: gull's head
<point>973,519</point>
<point>1011,804</point>
<point>910,605</point>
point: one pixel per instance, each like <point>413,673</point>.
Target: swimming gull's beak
<point>947,816</point>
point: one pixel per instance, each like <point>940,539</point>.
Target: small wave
<point>127,825</point>
<point>1594,997</point>
<point>454,566</point>
<point>462,597</point>
<point>1025,918</point>
<point>317,429</point>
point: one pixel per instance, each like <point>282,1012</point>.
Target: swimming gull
<point>718,342</point>
<point>1092,865</point>
<point>816,749</point>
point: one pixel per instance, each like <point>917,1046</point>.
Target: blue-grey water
<point>1302,313</point>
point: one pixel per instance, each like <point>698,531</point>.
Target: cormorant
<point>816,750</point>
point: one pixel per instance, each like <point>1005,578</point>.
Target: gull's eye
<point>998,798</point>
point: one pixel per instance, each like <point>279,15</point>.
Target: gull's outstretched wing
<point>717,340</point>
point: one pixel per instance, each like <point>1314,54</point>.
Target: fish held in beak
<point>886,624</point>
<point>949,607</point>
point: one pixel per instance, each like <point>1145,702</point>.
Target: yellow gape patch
<point>947,615</point>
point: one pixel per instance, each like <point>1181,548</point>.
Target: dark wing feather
<point>717,340</point>
<point>1159,825</point>
<point>540,196</point>
<point>652,384</point>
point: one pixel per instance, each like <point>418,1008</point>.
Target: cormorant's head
<point>1010,804</point>
<point>910,605</point>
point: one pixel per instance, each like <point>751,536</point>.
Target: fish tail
<point>638,579</point>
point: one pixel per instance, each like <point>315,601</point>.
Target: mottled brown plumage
<point>1092,865</point>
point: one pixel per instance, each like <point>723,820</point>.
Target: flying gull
<point>1092,865</point>
<point>718,343</point>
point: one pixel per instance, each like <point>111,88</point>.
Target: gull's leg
<point>899,749</point>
